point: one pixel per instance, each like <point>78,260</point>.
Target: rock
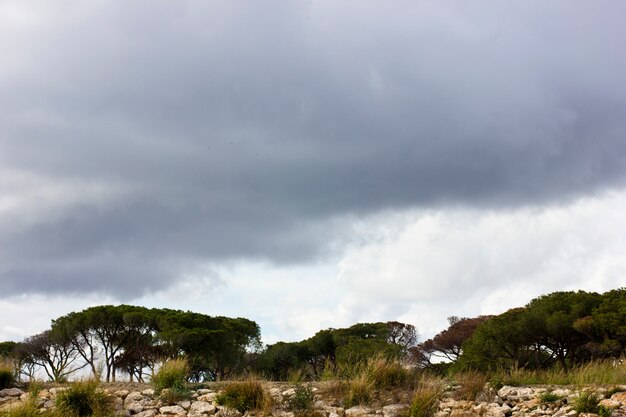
<point>148,392</point>
<point>133,397</point>
<point>55,391</point>
<point>121,393</point>
<point>442,414</point>
<point>395,410</point>
<point>289,392</point>
<point>203,391</point>
<point>172,409</point>
<point>147,413</point>
<point>358,411</point>
<point>134,407</point>
<point>619,396</point>
<point>200,408</point>
<point>184,404</point>
<point>610,403</point>
<point>11,392</point>
<point>209,397</point>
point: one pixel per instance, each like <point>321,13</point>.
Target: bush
<point>7,375</point>
<point>587,402</point>
<point>171,381</point>
<point>426,397</point>
<point>604,411</point>
<point>302,400</point>
<point>84,399</point>
<point>243,396</point>
<point>26,409</point>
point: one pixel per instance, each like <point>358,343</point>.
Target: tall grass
<point>597,372</point>
<point>7,374</point>
<point>426,397</point>
<point>84,399</point>
<point>170,381</point>
<point>471,384</point>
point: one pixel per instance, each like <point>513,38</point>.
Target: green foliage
<point>426,397</point>
<point>7,374</point>
<point>243,396</point>
<point>587,402</point>
<point>604,411</point>
<point>84,399</point>
<point>595,372</point>
<point>170,381</point>
<point>549,397</point>
<point>302,400</point>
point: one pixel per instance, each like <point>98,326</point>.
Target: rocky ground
<point>138,400</point>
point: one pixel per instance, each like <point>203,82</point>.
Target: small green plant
<point>26,409</point>
<point>302,400</point>
<point>612,391</point>
<point>495,381</point>
<point>244,396</point>
<point>170,382</point>
<point>7,375</point>
<point>604,411</point>
<point>549,397</point>
<point>426,397</point>
<point>587,402</point>
<point>84,399</point>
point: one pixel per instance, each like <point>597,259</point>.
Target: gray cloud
<point>234,130</point>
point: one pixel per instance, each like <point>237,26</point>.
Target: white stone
<point>172,409</point>
<point>11,392</point>
<point>358,411</point>
<point>202,407</point>
<point>394,410</point>
<point>134,407</point>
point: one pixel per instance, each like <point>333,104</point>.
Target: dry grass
<point>592,373</point>
<point>471,384</point>
<point>426,397</point>
<point>245,396</point>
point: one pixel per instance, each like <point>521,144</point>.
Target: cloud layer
<point>140,142</point>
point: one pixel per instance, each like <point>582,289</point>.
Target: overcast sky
<point>309,164</point>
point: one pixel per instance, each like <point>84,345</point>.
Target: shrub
<point>471,384</point>
<point>549,397</point>
<point>612,391</point>
<point>426,397</point>
<point>360,390</point>
<point>84,399</point>
<point>386,373</point>
<point>244,396</point>
<point>26,409</point>
<point>7,375</point>
<point>587,402</point>
<point>302,400</point>
<point>171,381</point>
<point>604,411</point>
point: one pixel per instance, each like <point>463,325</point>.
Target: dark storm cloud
<point>242,130</point>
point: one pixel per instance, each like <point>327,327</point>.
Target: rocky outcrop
<point>506,402</point>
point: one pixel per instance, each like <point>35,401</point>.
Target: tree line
<point>108,340</point>
<point>563,329</point>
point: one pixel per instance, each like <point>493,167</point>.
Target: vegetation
<point>302,400</point>
<point>360,390</point>
<point>471,384</point>
<point>170,381</point>
<point>587,402</point>
<point>549,397</point>
<point>244,396</point>
<point>84,399</point>
<point>7,374</point>
<point>426,397</point>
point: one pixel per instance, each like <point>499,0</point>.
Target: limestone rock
<point>11,392</point>
<point>121,393</point>
<point>146,413</point>
<point>134,407</point>
<point>395,410</point>
<point>172,409</point>
<point>358,411</point>
<point>201,407</point>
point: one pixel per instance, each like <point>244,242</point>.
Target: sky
<point>309,164</point>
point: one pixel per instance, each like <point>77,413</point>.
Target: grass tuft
<point>84,399</point>
<point>471,384</point>
<point>244,396</point>
<point>426,397</point>
<point>170,382</point>
<point>587,402</point>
